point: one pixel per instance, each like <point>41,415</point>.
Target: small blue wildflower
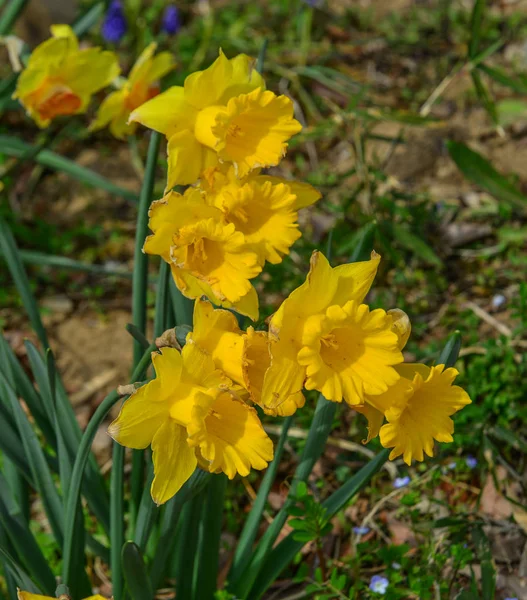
<point>451,465</point>
<point>171,20</point>
<point>471,462</point>
<point>511,598</point>
<point>361,530</point>
<point>379,584</point>
<point>498,301</point>
<point>396,566</point>
<point>400,482</point>
<point>114,25</point>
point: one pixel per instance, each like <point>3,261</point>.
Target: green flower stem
<point>68,574</point>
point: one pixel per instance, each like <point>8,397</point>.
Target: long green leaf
<point>242,555</point>
<point>162,298</point>
<point>10,15</point>
<point>139,290</point>
<point>40,472</point>
<point>206,567</point>
<point>137,580</point>
<point>484,96</point>
<point>517,84</point>
<point>475,27</point>
<point>46,158</point>
<point>79,466</point>
<point>23,540</point>
<point>18,273</point>
<point>82,583</point>
<point>315,444</point>
<point>147,513</point>
<point>187,547</point>
<point>479,170</point>
<point>488,572</point>
<point>183,307</point>
<point>11,444</point>
<point>93,487</point>
<point>10,581</point>
<point>90,18</point>
<point>117,512</point>
<point>20,382</point>
<point>413,242</point>
<point>286,550</point>
<point>171,515</point>
<point>450,352</point>
<point>24,581</point>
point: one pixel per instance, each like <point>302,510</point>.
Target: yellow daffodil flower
<point>60,78</point>
<point>141,85</point>
<point>207,256</point>
<point>189,417</point>
<point>29,596</point>
<point>222,114</point>
<point>418,410</point>
<point>263,208</point>
<point>323,337</point>
<point>242,356</point>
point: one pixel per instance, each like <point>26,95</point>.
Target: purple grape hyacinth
<point>114,26</point>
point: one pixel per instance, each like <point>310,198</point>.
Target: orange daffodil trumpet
<point>221,114</point>
<point>142,85</point>
<point>191,414</point>
<point>60,78</point>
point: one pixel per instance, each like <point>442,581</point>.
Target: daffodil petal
<point>375,420</point>
<point>167,113</point>
<point>354,280</point>
<point>174,461</point>
<point>187,158</point>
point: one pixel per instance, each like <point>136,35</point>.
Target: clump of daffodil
<point>263,208</point>
<point>324,338</point>
<point>29,596</point>
<point>190,417</point>
<point>60,78</point>
<point>417,409</point>
<point>206,254</point>
<point>242,355</point>
<point>142,85</point>
<point>221,114</point>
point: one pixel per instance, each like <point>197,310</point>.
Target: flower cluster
<point>61,78</point>
<point>222,128</point>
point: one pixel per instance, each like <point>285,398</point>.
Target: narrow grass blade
<point>40,472</point>
<point>18,273</point>
<point>46,158</point>
<point>450,352</point>
<point>23,580</point>
<point>94,487</point>
<point>137,580</point>
<point>484,96</point>
<point>243,553</point>
<point>162,299</point>
<point>138,336</point>
<point>62,262</point>
<point>10,581</point>
<point>183,307</point>
<point>10,14</point>
<point>83,453</point>
<point>11,444</point>
<point>17,528</point>
<point>361,242</point>
<point>82,583</point>
<point>206,567</point>
<point>316,440</point>
<point>414,243</point>
<point>519,85</point>
<point>479,170</point>
<point>18,486</point>
<point>171,515</point>
<point>20,382</point>
<point>286,550</point>
<point>187,546</point>
<point>147,513</point>
<point>475,27</point>
<point>139,289</point>
<point>117,513</point>
<point>90,18</point>
<point>488,573</point>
